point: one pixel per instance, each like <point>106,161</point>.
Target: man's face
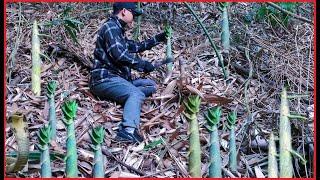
<point>127,16</point>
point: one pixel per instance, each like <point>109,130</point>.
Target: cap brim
<point>137,12</point>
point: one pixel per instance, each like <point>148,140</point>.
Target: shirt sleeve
<point>136,47</point>
<point>117,49</point>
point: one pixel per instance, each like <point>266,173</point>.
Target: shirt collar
<point>119,22</point>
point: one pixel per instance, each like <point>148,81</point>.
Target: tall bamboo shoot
<point>213,118</point>
<point>36,61</point>
<point>192,108</point>
<point>69,110</point>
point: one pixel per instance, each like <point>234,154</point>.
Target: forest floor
<point>279,53</point>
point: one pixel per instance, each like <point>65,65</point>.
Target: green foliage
<point>213,115</point>
<point>231,118</point>
<point>168,30</point>
<point>274,16</point>
<point>192,105</point>
<point>69,110</point>
<point>70,24</point>
<point>153,144</point>
<point>44,135</point>
<point>223,5</point>
<point>51,88</point>
<point>97,135</point>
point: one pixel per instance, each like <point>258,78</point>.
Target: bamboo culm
<point>215,156</point>
<point>192,108</point>
<point>69,110</point>
<point>232,142</point>
<point>44,140</point>
<point>52,108</point>
<point>225,34</point>
<point>45,162</point>
<point>97,137</point>
<point>213,117</point>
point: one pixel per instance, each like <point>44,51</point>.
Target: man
<point>113,61</point>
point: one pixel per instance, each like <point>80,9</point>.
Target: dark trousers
<point>131,95</point>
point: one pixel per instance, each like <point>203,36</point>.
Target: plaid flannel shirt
<point>112,55</point>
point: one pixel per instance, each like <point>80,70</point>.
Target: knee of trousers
<point>138,94</point>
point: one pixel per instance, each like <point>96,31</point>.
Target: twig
<point>210,40</point>
<point>247,82</point>
<point>14,52</point>
<point>290,13</point>
<point>107,153</point>
<point>180,166</point>
<point>228,172</point>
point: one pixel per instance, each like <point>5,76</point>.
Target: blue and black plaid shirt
<point>112,55</point>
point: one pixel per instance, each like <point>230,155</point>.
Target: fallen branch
<point>290,13</point>
<point>107,153</point>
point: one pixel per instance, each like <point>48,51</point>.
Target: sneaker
<point>131,137</point>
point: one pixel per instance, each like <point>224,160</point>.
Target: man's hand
<point>148,67</point>
<point>163,62</point>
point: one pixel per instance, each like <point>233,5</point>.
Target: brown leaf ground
<point>278,54</point>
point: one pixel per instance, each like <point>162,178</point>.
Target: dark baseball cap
<point>129,6</point>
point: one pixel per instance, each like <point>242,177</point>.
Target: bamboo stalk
<point>36,61</point>
<point>225,34</point>
<point>232,142</point>
<point>213,118</point>
<point>210,40</point>
<point>137,27</point>
<point>168,54</point>
<point>286,168</point>
<point>69,110</point>
<point>192,108</point>
<point>44,139</point>
<point>51,88</point>
<point>272,159</point>
<point>97,137</point>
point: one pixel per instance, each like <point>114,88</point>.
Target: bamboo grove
<point>280,162</point>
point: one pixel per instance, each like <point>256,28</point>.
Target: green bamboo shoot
<point>213,118</point>
<point>192,108</point>
<point>97,137</point>
<point>36,61</point>
<point>44,139</point>
<point>51,88</point>
<point>272,158</point>
<point>225,33</point>
<point>137,27</point>
<point>232,142</point>
<point>168,31</point>
<point>224,70</point>
<point>286,168</point>
<point>69,110</point>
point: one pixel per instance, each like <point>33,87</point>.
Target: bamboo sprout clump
<point>192,108</point>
